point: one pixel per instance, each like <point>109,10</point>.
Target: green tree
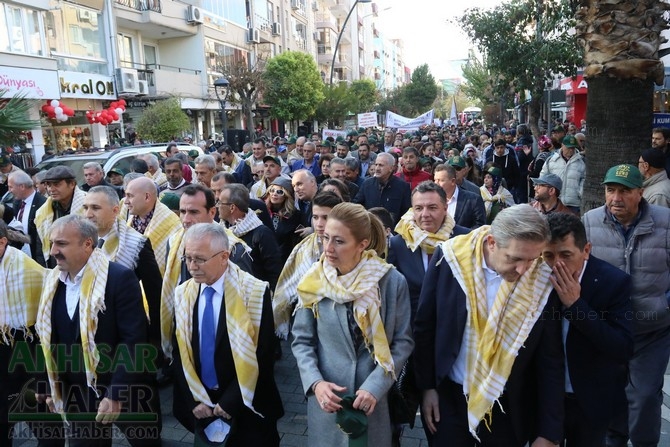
<point>395,101</point>
<point>421,92</point>
<point>14,118</point>
<point>293,86</point>
<point>163,121</point>
<point>524,42</point>
<point>621,62</point>
<point>336,103</point>
<point>364,95</point>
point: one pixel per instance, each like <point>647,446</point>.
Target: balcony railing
<point>141,5</point>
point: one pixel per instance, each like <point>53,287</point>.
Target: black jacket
<point>395,196</point>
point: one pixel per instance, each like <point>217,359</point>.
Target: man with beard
<point>174,172</point>
<point>411,171</point>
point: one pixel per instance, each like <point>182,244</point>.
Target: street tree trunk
<point>621,39</point>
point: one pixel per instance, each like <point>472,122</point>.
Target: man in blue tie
<point>225,337</point>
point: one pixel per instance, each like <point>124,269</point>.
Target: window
<point>75,39</point>
<point>221,57</point>
<point>231,10</point>
<point>125,46</point>
<point>21,30</point>
<point>150,59</point>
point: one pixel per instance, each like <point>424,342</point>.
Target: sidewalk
<point>293,426</point>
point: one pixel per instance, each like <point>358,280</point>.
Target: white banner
<point>86,85</point>
<point>395,120</point>
<point>333,133</point>
<point>34,84</point>
<point>454,116</point>
<point>368,119</point>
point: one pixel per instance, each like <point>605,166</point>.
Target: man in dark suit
<point>429,218</point>
<point>217,378</point>
<point>27,202</point>
<point>597,330</point>
<point>86,295</point>
<point>385,190</point>
<point>465,207</point>
<point>490,365</point>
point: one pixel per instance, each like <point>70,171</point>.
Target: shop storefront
<point>81,92</point>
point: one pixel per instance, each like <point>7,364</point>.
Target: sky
<point>428,34</point>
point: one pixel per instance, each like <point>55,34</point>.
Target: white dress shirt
<point>493,282</point>
<point>72,290</point>
<point>451,204</point>
<point>25,220</point>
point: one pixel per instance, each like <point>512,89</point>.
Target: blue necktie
<point>207,342</point>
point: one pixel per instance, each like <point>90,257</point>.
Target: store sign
<point>86,85</point>
<point>34,84</point>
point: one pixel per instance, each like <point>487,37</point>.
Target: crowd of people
<point>447,271</point>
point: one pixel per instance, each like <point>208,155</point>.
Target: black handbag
<point>404,397</point>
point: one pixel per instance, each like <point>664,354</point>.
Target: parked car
<point>116,158</point>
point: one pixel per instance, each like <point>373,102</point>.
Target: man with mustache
<point>634,236</point>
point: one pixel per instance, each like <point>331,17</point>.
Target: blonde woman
<point>352,329</point>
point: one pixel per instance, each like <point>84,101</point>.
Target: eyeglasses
<point>199,261</point>
<point>224,203</point>
<point>279,192</point>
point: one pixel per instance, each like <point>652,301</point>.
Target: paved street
<point>293,426</point>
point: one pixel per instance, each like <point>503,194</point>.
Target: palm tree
<point>14,117</point>
<point>621,42</point>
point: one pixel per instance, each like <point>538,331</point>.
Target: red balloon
<point>68,111</point>
<point>49,110</point>
<point>115,117</point>
<point>123,102</point>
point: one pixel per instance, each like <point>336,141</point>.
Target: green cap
<point>361,130</point>
<point>193,153</point>
<point>326,143</point>
<point>372,139</point>
<point>570,141</point>
<point>116,171</point>
<point>292,140</point>
<point>493,170</point>
<point>352,133</point>
<point>171,200</point>
<point>457,161</point>
<point>626,175</point>
<point>339,139</point>
<point>5,160</point>
<point>352,422</point>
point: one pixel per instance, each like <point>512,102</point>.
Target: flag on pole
<point>454,116</point>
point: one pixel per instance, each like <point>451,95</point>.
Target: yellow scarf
<point>21,282</point>
<point>361,286</point>
<point>502,195</point>
<point>170,283</point>
<point>91,303</point>
<point>159,178</point>
<point>493,336</point>
<point>44,217</point>
<point>163,224</point>
<point>301,259</point>
<point>243,295</point>
<point>415,237</point>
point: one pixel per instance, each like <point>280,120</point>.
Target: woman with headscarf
<point>496,196</point>
<point>351,333</point>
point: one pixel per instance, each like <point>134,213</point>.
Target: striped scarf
<point>91,303</point>
<point>503,196</point>
<point>163,224</point>
<point>21,281</point>
<point>248,223</point>
<point>44,217</point>
<point>171,281</point>
<point>159,178</point>
<point>123,236</point>
<point>493,336</point>
<point>243,303</point>
<point>415,237</point>
<point>360,286</point>
<point>301,259</point>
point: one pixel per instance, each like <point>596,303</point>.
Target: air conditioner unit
<point>254,35</point>
<point>295,4</point>
<point>193,15</point>
<point>315,35</point>
<point>315,6</point>
<point>84,15</point>
<point>143,88</point>
<point>126,80</point>
<point>276,29</point>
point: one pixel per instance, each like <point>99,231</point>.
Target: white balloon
<point>58,110</point>
<point>118,111</point>
<point>55,103</point>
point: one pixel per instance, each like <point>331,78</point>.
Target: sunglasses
<point>279,192</point>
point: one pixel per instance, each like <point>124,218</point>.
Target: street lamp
<point>221,89</point>
<point>339,36</point>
